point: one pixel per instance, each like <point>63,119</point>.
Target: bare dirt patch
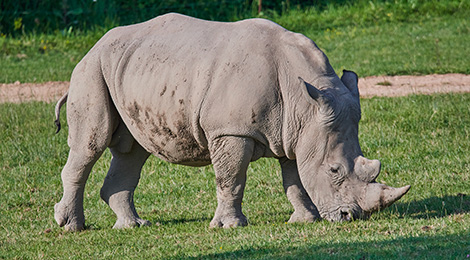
<point>382,86</point>
<point>24,92</point>
<point>394,86</point>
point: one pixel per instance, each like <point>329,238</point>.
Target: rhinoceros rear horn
<point>367,170</point>
<point>350,80</point>
<point>379,196</point>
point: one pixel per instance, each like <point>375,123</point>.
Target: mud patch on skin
<point>161,127</point>
<point>253,116</point>
<point>173,142</point>
<point>191,151</point>
<point>163,91</point>
<point>223,182</point>
<point>92,144</point>
<point>147,115</point>
<point>134,113</point>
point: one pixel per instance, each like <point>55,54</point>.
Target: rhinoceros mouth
<point>346,216</point>
<point>341,213</point>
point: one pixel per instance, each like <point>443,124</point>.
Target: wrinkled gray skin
<point>196,92</point>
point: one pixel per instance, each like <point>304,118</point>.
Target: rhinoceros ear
<point>350,79</point>
<point>310,92</point>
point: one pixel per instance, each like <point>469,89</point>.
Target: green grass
<point>44,57</point>
<point>431,47</point>
<point>421,140</point>
<point>369,37</point>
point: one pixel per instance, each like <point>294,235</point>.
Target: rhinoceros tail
<point>60,103</point>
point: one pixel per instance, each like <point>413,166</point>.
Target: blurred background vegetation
<point>19,16</point>
<point>44,40</point>
<point>48,16</point>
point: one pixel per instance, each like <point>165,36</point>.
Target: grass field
<point>421,140</point>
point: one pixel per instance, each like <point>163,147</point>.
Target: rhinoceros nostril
<point>345,216</point>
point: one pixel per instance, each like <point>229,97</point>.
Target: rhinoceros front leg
<point>304,209</point>
<point>120,183</point>
<point>230,157</point>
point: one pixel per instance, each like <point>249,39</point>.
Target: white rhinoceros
<point>197,92</point>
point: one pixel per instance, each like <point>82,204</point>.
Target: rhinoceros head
<point>336,176</point>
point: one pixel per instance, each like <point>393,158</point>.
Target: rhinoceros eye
<point>336,173</point>
<point>335,168</point>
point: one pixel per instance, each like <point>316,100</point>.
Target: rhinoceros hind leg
<point>69,211</point>
<point>230,157</point>
<point>91,120</point>
<point>304,209</point>
<point>120,183</point>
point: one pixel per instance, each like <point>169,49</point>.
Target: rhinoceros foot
<point>129,223</point>
<point>303,216</point>
<point>72,220</point>
<point>228,221</point>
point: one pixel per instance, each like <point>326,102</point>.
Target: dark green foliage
<point>21,16</point>
<point>50,15</point>
<point>46,16</point>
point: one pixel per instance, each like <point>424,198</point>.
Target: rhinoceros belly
<point>166,133</point>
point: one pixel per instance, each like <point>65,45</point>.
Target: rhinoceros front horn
<point>379,196</point>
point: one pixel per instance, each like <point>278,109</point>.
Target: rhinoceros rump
<point>195,92</point>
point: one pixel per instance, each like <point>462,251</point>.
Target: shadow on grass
<point>428,247</point>
<point>181,221</point>
<point>425,246</point>
<point>435,207</point>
